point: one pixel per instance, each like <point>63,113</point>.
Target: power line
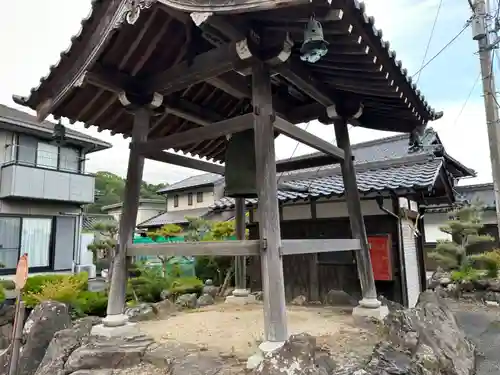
<point>293,152</point>
<point>442,49</point>
<point>430,40</point>
<point>467,99</point>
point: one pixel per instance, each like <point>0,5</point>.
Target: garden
<point>150,281</point>
<point>469,263</point>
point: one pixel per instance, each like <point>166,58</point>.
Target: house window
<point>69,160</point>
<point>199,197</point>
<point>190,199</point>
<point>31,151</point>
<point>27,235</point>
<point>47,155</point>
<point>176,201</point>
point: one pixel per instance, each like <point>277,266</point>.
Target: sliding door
<point>9,241</point>
<point>35,241</point>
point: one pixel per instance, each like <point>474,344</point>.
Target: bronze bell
<point>240,165</point>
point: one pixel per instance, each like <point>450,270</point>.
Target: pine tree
<point>463,226</point>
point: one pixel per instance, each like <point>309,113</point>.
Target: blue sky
<point>35,32</point>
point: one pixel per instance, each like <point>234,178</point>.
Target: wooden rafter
<point>167,157</point>
<point>219,129</point>
<point>112,17</point>
<point>204,66</point>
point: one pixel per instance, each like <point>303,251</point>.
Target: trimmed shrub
<point>61,288</point>
<point>91,303</point>
<point>184,285</point>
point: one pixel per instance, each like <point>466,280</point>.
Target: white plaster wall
<point>146,213</point>
<point>85,254</point>
<point>432,222</point>
<point>208,200</point>
<point>328,209</point>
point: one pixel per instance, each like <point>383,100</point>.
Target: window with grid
<point>190,199</point>
<point>199,197</point>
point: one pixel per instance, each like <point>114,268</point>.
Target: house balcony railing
<point>38,174</point>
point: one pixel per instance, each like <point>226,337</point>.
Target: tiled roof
<point>194,181</point>
<point>482,193</point>
<point>395,147</point>
<point>23,119</point>
<point>90,220</point>
<point>173,217</point>
<point>413,172</point>
<point>145,201</point>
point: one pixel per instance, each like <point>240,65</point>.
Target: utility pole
<point>480,34</point>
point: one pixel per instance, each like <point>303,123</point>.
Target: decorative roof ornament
<point>134,9</point>
<point>59,133</point>
<point>416,139</point>
<point>315,46</point>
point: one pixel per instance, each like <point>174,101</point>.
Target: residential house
<point>191,197</point>
<point>396,181</point>
<point>43,186</point>
<point>437,216</point>
<point>147,209</point>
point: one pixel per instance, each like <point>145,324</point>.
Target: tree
<point>168,230</point>
<point>463,227</point>
<point>109,189</point>
<point>103,246</point>
<point>198,229</point>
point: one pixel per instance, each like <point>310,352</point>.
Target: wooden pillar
<point>275,325</point>
<point>240,272</point>
<point>116,302</point>
<point>358,229</point>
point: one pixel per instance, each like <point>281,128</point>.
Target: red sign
<point>380,254</point>
<point>21,272</point>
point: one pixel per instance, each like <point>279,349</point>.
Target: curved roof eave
<point>227,7</point>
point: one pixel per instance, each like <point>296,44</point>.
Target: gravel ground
<point>234,332</point>
<point>482,325</point>
<point>238,330</point>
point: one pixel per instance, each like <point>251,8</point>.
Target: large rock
<point>205,300</point>
<point>295,357</point>
<point>182,359</point>
<point>140,313</point>
<point>6,324</point>
<point>421,341</point>
<point>44,321</point>
<point>339,298</point>
<point>164,309</point>
<point>62,345</point>
<point>424,340</point>
<point>100,352</point>
<point>187,301</point>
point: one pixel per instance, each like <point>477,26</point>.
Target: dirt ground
<point>236,331</point>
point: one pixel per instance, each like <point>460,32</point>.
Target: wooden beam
<point>294,247</point>
<point>182,161</point>
<point>296,74</point>
<point>216,130</point>
<point>307,138</point>
<point>135,170</point>
<point>275,322</point>
<point>209,248</point>
<point>358,230</point>
<point>112,16</point>
<point>203,67</point>
<point>297,163</point>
